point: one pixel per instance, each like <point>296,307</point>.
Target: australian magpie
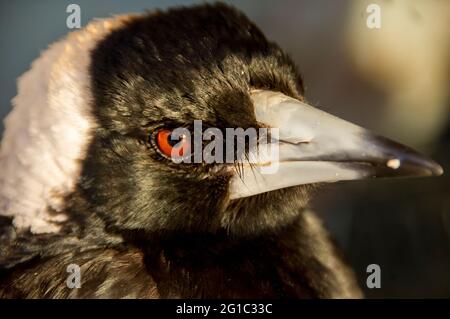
<point>87,179</point>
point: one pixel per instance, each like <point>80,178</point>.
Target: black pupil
<point>173,141</point>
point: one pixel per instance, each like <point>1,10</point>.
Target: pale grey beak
<point>317,147</point>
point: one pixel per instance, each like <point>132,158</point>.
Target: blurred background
<point>394,80</point>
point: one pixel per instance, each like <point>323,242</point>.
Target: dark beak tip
<point>402,160</point>
<point>412,164</point>
<point>433,168</point>
<point>437,170</point>
<point>428,167</point>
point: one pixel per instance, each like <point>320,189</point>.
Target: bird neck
<point>296,260</point>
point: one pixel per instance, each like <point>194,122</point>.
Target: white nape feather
<point>48,131</point>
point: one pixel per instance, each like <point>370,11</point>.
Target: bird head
<point>162,71</point>
<point>211,64</point>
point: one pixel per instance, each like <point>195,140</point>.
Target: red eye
<point>169,145</point>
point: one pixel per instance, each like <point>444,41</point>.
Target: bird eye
<point>172,146</point>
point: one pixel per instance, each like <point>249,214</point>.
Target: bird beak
<point>316,147</point>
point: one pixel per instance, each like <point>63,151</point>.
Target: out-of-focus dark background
<point>394,80</point>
